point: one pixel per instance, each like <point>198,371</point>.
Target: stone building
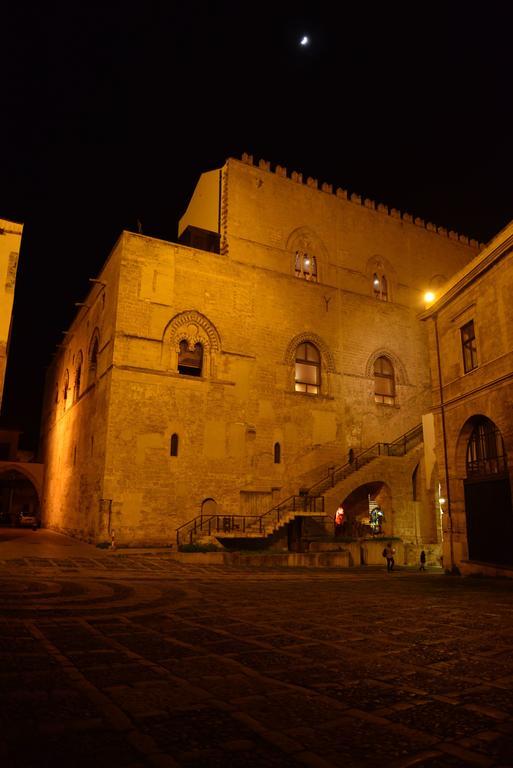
<point>471,351</point>
<point>10,240</point>
<point>222,374</point>
<point>21,479</point>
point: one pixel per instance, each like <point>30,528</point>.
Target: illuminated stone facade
<point>257,359</point>
<point>10,240</point>
<point>471,348</point>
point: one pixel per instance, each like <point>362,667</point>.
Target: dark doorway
<point>489,521</point>
<point>488,496</point>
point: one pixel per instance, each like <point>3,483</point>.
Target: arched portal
<point>18,498</point>
<point>362,510</point>
<point>209,507</point>
<point>488,510</point>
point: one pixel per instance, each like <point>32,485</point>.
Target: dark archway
<point>488,509</point>
<point>358,505</point>
<point>17,494</point>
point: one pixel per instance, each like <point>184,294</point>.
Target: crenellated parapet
<point>357,199</point>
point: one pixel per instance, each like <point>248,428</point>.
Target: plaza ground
<point>133,659</point>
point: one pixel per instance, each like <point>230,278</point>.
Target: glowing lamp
<point>429,297</point>
<point>441,501</point>
<point>376,282</point>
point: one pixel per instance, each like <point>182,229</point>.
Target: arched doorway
<point>360,510</point>
<point>17,495</point>
<point>488,510</point>
<point>208,507</point>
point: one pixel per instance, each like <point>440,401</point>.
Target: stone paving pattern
<point>131,659</point>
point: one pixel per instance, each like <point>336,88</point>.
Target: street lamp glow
<point>304,40</point>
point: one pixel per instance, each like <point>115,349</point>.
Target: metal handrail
<point>399,447</point>
<point>306,502</point>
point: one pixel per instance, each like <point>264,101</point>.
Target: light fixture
<point>376,281</point>
<point>441,501</point>
<point>429,297</point>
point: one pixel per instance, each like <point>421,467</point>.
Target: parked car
<point>28,519</point>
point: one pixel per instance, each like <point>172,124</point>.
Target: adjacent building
<point>21,479</point>
<point>214,377</point>
<point>471,351</point>
<point>10,241</point>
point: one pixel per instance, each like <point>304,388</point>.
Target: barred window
<point>485,450</point>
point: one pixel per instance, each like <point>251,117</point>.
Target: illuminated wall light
<point>429,297</point>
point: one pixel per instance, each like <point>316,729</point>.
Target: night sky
<point>110,112</point>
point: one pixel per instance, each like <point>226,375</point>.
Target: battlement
<point>356,199</point>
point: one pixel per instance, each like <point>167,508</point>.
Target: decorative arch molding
<point>194,328</point>
<point>313,338</point>
<point>399,369</point>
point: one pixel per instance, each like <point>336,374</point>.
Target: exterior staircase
<point>309,503</point>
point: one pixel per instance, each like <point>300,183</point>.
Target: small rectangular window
<point>469,346</point>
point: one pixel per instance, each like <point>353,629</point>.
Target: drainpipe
<point>444,442</point>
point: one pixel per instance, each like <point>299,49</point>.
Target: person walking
<point>389,553</point>
<point>422,561</point>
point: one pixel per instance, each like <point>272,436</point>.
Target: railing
<point>310,502</point>
<point>398,447</point>
<point>304,502</point>
<point>210,525</point>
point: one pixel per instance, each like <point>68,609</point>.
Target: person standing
<point>422,561</point>
<point>339,521</point>
<point>389,554</point>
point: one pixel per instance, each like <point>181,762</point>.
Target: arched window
<point>78,376</point>
<point>277,453</point>
<point>380,287</point>
<point>384,381</point>
<point>308,369</point>
<point>190,361</point>
<point>485,450</point>
<point>173,450</point>
<point>93,361</point>
<point>415,484</point>
<point>66,387</point>
<point>306,266</point>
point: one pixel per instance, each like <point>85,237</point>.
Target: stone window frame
<point>277,453</point>
<point>469,346</point>
<point>384,381</point>
<point>381,278</point>
<point>327,364</point>
<point>380,286</point>
<point>65,388</point>
<point>78,376</point>
<point>174,444</point>
<point>193,327</point>
<point>400,375</point>
<point>308,254</point>
<point>92,356</point>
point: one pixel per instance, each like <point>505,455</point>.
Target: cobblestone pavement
<point>131,659</point>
